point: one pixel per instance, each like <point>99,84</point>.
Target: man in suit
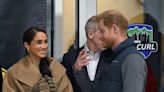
<point>127,70</point>
<point>85,65</point>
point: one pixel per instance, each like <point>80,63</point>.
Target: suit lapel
<point>82,77</point>
<point>103,63</point>
<point>83,80</point>
<point>100,67</point>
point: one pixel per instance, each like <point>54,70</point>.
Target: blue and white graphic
<point>143,36</point>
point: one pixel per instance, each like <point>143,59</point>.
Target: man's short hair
<point>113,17</point>
<point>91,23</point>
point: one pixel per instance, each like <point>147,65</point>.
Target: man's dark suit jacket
<point>80,80</point>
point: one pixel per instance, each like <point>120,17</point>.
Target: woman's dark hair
<point>28,36</point>
<point>43,67</point>
<point>30,33</point>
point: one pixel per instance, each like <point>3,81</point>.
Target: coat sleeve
<point>10,84</point>
<point>134,71</point>
<point>64,85</point>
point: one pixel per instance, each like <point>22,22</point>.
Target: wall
<point>69,24</point>
<point>130,8</point>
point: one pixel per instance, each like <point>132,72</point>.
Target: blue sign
<point>143,37</point>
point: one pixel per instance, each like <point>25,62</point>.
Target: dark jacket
<point>80,80</point>
<point>127,70</point>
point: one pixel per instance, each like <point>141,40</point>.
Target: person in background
<point>127,69</point>
<point>85,65</point>
<point>36,72</point>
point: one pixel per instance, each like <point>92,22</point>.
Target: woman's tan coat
<point>23,75</point>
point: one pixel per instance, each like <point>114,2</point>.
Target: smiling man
<point>127,69</point>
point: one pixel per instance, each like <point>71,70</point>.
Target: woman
<point>36,72</point>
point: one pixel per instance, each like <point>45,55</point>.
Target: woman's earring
<point>27,50</point>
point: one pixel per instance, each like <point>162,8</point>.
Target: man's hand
<point>82,60</point>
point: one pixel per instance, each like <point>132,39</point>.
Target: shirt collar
<point>91,52</point>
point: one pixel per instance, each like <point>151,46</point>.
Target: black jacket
<point>80,81</point>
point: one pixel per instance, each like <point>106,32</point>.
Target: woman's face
<point>38,46</point>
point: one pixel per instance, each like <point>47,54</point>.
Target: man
<point>85,65</point>
<point>127,70</point>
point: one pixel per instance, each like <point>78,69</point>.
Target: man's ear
<point>90,34</point>
<point>115,28</point>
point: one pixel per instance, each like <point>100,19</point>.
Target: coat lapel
<point>103,63</point>
<point>100,67</point>
<point>56,69</point>
<point>26,72</point>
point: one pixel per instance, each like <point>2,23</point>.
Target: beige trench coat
<point>23,75</point>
